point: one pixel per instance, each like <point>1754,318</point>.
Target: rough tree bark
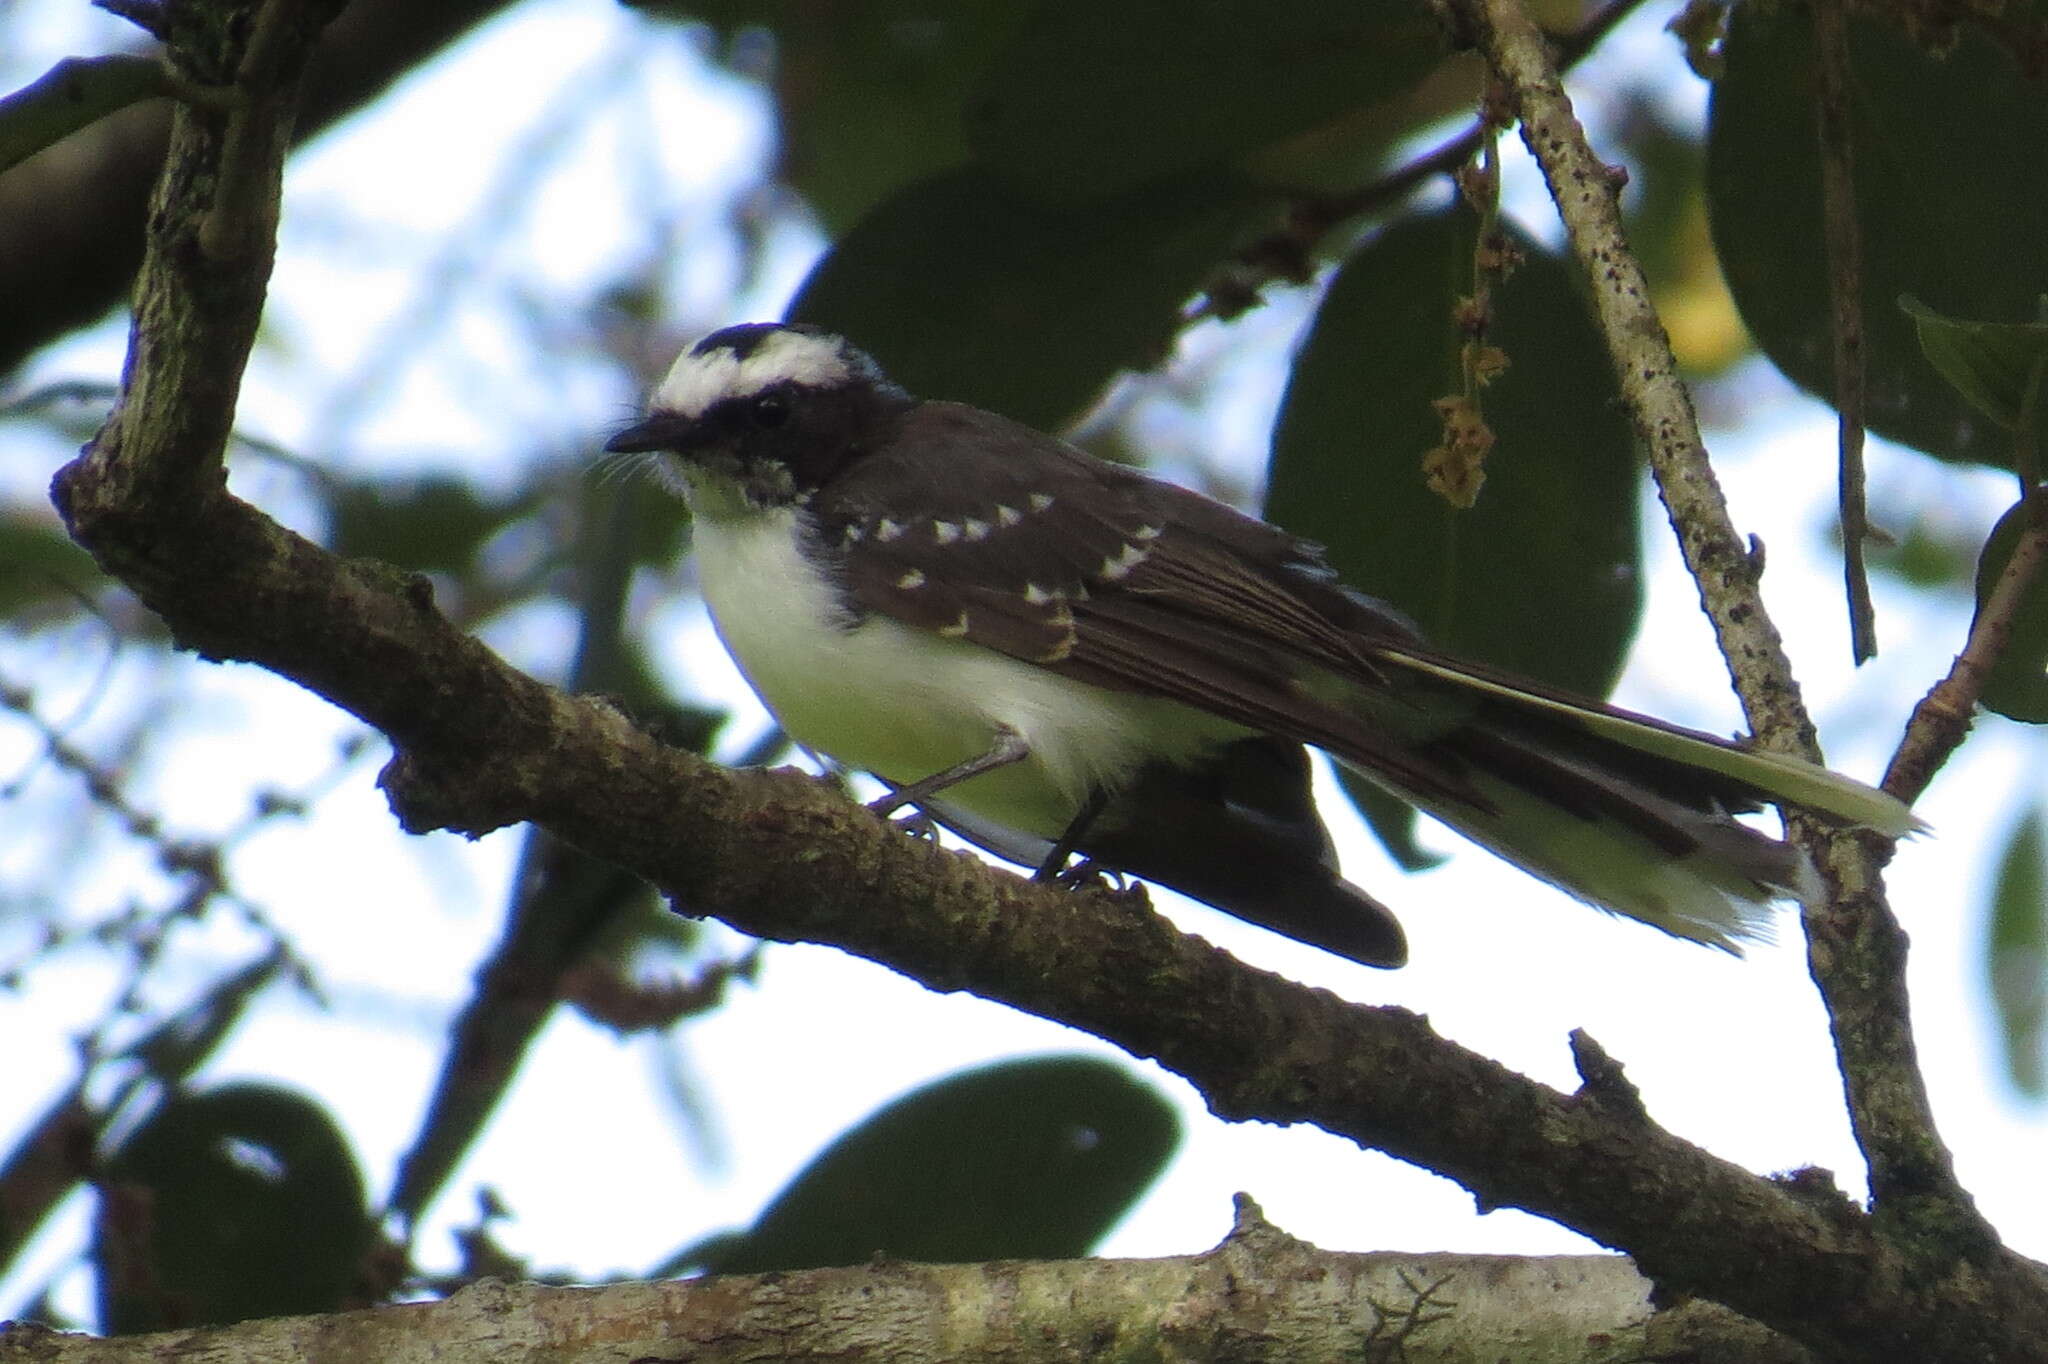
<point>1260,1296</point>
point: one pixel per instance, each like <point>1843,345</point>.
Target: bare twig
<point>1942,719</point>
<point>1845,293</point>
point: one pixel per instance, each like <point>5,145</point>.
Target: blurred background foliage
<point>1084,213</point>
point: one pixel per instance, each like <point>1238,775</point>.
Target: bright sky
<point>1730,1054</point>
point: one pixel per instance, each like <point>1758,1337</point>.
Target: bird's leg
<point>1009,747</point>
<point>1077,829</point>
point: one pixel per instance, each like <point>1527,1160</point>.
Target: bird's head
<point>763,413</point>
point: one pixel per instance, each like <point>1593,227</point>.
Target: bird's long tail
<point>1625,812</point>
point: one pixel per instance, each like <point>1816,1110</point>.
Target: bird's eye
<point>770,409</point>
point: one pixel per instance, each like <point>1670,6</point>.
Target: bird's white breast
<point>904,703</point>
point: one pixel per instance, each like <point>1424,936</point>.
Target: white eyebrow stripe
<point>695,382</point>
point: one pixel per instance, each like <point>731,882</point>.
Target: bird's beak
<point>660,431</point>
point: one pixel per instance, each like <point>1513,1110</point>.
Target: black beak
<point>661,431</point>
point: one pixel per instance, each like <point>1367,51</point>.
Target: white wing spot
<point>1008,516</point>
<point>1041,502</point>
<point>974,528</point>
<point>957,628</point>
<point>853,533</point>
<point>912,580</point>
<point>1148,532</point>
<point>1122,564</point>
<point>887,530</point>
<point>1037,596</point>
<point>945,532</point>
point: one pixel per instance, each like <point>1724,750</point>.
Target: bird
<point>1057,656</point>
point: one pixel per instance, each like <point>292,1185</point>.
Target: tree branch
<point>1260,1296</point>
<point>1856,951</point>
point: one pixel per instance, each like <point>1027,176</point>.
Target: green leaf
<point>964,289</point>
<point>241,1202</point>
<point>1094,97</point>
<point>1997,366</point>
<point>2017,953</point>
<point>2017,684</point>
<point>71,94</point>
<point>869,95</point>
<point>1026,1159</point>
<point>39,563</point>
<point>432,523</point>
<point>1951,200</point>
<point>1543,575</point>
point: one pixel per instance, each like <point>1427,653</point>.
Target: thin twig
<point>1845,294</point>
<point>1942,719</point>
<point>1285,253</point>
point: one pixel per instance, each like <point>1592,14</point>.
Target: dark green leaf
<point>1542,576</point>
<point>869,95</point>
<point>1028,1159</point>
<point>431,523</point>
<point>1095,97</point>
<point>1996,366</point>
<point>2017,956</point>
<point>965,290</point>
<point>2017,685</point>
<point>1961,221</point>
<point>241,1202</point>
<point>39,563</point>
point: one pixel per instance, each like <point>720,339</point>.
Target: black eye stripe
<point>769,409</point>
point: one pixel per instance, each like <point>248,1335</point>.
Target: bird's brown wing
<point>1040,552</point>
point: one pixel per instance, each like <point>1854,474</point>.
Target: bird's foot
<point>914,822</point>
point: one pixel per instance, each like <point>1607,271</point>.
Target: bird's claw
<point>916,824</point>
